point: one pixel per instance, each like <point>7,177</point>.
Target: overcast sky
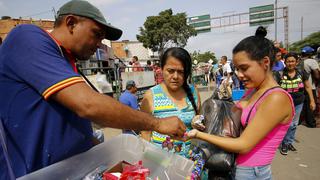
<point>129,15</point>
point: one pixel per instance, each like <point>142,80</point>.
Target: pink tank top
<point>263,153</point>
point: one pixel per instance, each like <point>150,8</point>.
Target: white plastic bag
<point>103,85</point>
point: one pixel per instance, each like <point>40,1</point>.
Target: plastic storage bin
<point>126,147</point>
<point>237,94</point>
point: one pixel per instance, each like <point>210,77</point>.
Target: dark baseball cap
<point>130,83</point>
<point>85,9</point>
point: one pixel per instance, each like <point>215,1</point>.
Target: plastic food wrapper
<point>198,157</point>
<point>135,170</point>
<point>221,118</point>
<point>197,122</point>
<point>224,91</point>
<point>121,171</point>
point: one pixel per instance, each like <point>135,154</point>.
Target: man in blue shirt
<point>129,98</point>
<point>46,107</point>
<point>278,64</point>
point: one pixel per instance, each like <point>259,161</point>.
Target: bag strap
<point>86,79</point>
<point>5,151</point>
<point>247,120</point>
<point>62,50</point>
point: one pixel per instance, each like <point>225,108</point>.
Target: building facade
<point>127,49</point>
<point>7,24</point>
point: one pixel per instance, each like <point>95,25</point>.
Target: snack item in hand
<point>197,122</point>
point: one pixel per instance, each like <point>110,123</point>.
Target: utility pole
<point>275,20</point>
<point>286,26</point>
<point>301,30</point>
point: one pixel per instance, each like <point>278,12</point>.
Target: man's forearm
<point>108,112</point>
<point>102,109</point>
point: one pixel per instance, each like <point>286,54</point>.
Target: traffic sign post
<point>261,15</point>
<point>201,23</point>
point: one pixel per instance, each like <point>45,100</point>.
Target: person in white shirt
<point>226,71</point>
<point>225,87</point>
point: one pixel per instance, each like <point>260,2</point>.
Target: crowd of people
<point>135,66</point>
<point>48,119</point>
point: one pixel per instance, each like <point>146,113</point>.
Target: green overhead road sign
<point>261,15</point>
<point>200,23</point>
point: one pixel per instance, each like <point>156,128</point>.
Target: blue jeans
<point>253,173</point>
<point>289,138</point>
<point>236,82</point>
<point>218,78</point>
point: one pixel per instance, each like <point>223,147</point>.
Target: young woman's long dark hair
<point>184,57</point>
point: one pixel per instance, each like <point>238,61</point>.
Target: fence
<point>112,81</point>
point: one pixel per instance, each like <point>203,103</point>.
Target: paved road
<point>303,164</point>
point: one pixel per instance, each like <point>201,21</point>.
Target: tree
<point>311,40</point>
<point>204,57</point>
<point>165,30</point>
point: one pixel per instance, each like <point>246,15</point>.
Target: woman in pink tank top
<point>267,110</point>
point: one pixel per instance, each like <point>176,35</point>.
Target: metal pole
<point>286,27</point>
<point>275,20</point>
<point>301,27</point>
<point>115,82</point>
<point>118,81</point>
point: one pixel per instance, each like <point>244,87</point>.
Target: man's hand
<point>171,126</point>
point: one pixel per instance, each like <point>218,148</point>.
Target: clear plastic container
<point>130,148</point>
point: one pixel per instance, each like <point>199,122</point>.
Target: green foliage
<point>204,57</point>
<point>311,40</point>
<point>165,30</point>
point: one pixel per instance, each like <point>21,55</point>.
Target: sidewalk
<point>304,163</point>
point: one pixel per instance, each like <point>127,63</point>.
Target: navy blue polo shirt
<point>39,130</point>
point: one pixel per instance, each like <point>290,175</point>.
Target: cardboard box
<point>118,167</point>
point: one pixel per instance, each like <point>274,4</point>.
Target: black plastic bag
<point>221,118</point>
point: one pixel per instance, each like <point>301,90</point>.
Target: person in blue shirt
<point>46,106</point>
<point>278,64</point>
<point>129,98</point>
